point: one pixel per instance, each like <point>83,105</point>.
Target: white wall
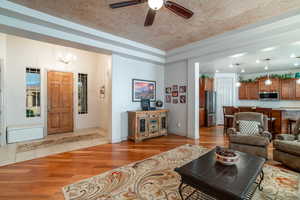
<point>125,69</point>
<point>176,74</point>
<point>2,46</point>
<point>2,86</point>
<point>104,79</point>
<point>268,104</point>
<point>22,53</point>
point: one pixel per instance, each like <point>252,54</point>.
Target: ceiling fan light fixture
<point>155,4</point>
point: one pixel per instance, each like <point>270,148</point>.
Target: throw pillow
<point>249,127</point>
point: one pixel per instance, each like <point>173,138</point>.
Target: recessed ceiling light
<point>296,64</point>
<point>231,66</point>
<point>238,55</point>
<point>266,67</point>
<point>257,61</point>
<point>243,71</point>
<point>268,49</point>
<point>292,55</point>
<point>217,71</point>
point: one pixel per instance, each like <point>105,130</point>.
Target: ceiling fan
<point>155,5</point>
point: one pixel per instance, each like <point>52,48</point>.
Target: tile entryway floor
<point>52,144</point>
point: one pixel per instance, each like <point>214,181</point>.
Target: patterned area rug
<point>154,179</point>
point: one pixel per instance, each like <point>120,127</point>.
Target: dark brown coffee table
<point>213,180</point>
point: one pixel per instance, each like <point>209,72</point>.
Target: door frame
<point>75,100</point>
<point>233,78</point>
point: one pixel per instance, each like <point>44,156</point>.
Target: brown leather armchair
<point>287,148</point>
<point>249,142</point>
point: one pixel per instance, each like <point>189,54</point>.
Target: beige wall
<point>22,53</point>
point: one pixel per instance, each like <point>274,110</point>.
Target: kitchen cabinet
<point>297,91</point>
<point>243,91</point>
<point>206,84</point>
<point>202,117</point>
<point>288,89</point>
<point>252,90</point>
<point>248,91</point>
<point>277,125</point>
<point>274,87</point>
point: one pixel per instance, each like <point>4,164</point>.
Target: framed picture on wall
<point>168,98</point>
<point>182,99</point>
<point>175,101</point>
<point>168,90</point>
<point>175,94</point>
<point>175,87</point>
<point>143,89</point>
<point>182,89</point>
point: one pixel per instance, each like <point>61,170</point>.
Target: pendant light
<point>268,81</point>
<point>297,76</point>
<point>238,83</point>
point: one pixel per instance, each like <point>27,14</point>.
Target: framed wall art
<point>168,90</point>
<point>175,94</point>
<point>182,99</point>
<point>182,89</point>
<point>143,89</point>
<point>168,98</point>
<point>175,101</point>
<point>175,88</point>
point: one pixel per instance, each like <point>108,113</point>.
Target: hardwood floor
<point>43,178</point>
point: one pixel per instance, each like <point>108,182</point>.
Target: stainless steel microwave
<point>269,96</point>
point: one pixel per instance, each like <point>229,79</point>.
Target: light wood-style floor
<point>43,178</point>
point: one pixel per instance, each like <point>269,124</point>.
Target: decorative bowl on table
<point>226,156</point>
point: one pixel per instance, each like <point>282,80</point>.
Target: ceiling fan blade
<point>150,17</point>
<point>179,10</point>
<point>126,3</point>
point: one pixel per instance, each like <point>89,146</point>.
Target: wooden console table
<point>147,124</point>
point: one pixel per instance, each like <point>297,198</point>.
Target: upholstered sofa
<point>256,144</point>
<point>287,148</point>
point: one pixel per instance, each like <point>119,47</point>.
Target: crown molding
<point>22,21</point>
<point>277,30</point>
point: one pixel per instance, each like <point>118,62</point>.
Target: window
<point>82,94</point>
<point>33,92</point>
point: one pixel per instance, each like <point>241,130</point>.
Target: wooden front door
<point>60,102</point>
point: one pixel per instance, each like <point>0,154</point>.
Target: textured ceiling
<point>169,31</point>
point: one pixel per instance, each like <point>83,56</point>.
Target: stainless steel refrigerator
<point>210,108</point>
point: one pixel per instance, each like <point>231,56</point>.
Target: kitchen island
<point>279,117</point>
<point>287,113</point>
